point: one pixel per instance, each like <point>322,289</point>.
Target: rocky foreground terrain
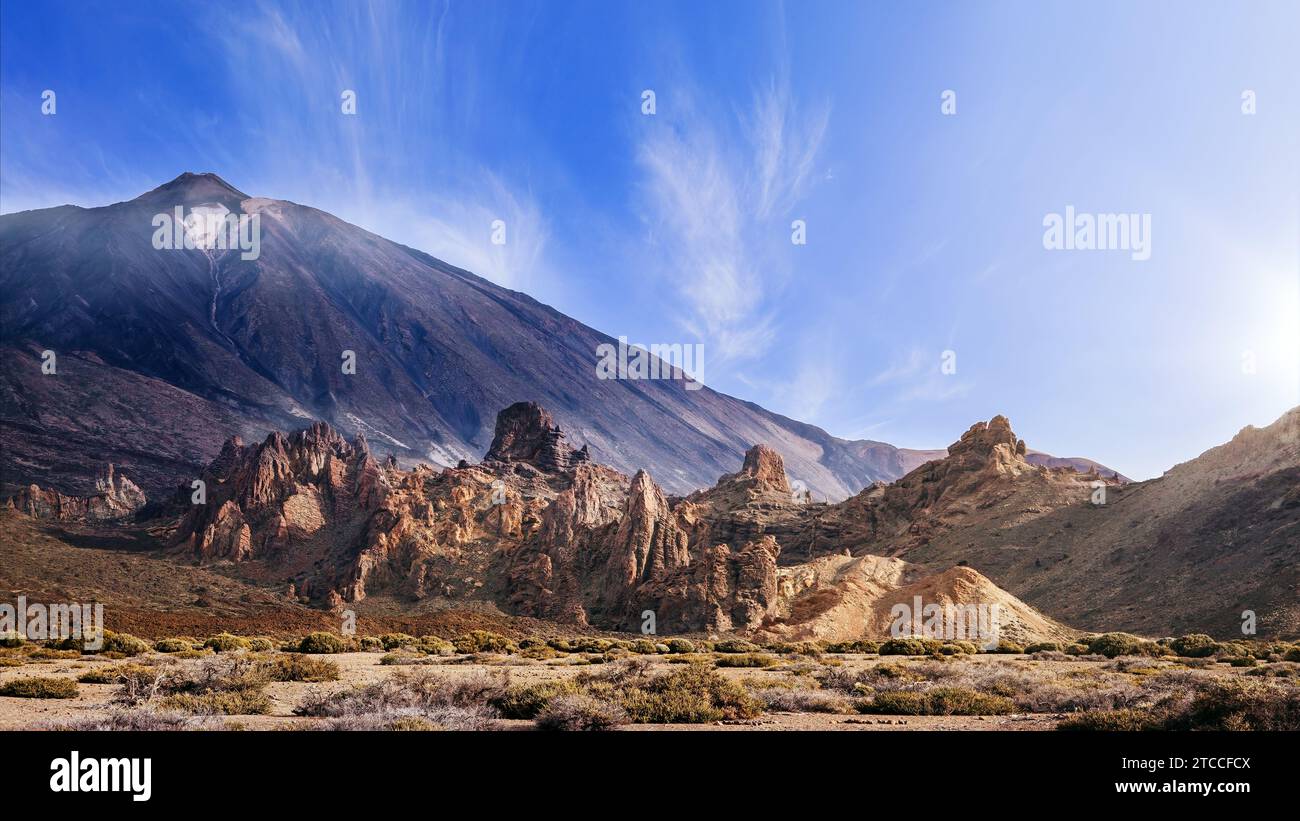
<point>484,681</point>
<point>540,530</point>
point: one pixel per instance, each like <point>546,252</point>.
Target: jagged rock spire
<point>525,432</point>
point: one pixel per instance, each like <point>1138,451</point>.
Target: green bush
<point>904,647</point>
<point>371,644</point>
<point>300,668</point>
<point>392,641</point>
<point>39,687</point>
<point>227,643</point>
<point>322,643</point>
<point>736,646</point>
<point>172,645</point>
<point>694,695</point>
<point>795,648</point>
<point>746,660</point>
<point>680,646</point>
<point>643,647</point>
<point>248,702</point>
<point>1043,647</point>
<point>434,646</point>
<point>861,646</point>
<point>9,638</point>
<point>590,645</point>
<point>124,643</point>
<point>481,641</point>
<point>1293,654</point>
<point>261,645</point>
<point>1194,646</point>
<point>1112,645</point>
<point>1078,650</point>
<point>527,700</point>
<point>940,701</point>
<point>1007,647</point>
<point>543,652</point>
<point>1126,720</point>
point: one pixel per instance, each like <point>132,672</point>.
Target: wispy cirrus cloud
<point>404,166</point>
<point>715,188</point>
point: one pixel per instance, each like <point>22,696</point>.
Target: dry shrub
<point>300,668</point>
<point>577,711</point>
<point>482,641</point>
<point>528,700</point>
<point>221,685</point>
<point>746,660</point>
<point>694,695</point>
<point>803,700</point>
<point>112,674</point>
<point>398,701</point>
<point>1240,705</point>
<point>229,703</point>
<point>940,701</point>
<point>138,721</point>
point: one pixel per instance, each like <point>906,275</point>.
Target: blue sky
<point>924,230</point>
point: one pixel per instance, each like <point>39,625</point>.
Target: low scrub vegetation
<point>223,685</point>
<point>1194,646</point>
<point>1112,645</point>
<point>802,700</point>
<point>322,643</point>
<point>482,641</point>
<point>579,712</point>
<point>695,694</point>
<point>39,687</point>
<point>527,701</point>
<point>1007,647</point>
<point>736,646</point>
<point>111,674</point>
<point>863,646</point>
<point>1243,705</point>
<point>940,701</point>
<point>227,643</point>
<point>908,647</point>
<point>406,701</point>
<point>746,660</point>
<point>299,668</point>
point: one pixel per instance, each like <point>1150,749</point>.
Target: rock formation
<point>116,498</point>
<point>540,530</point>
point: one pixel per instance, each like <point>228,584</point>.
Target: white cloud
<point>715,189</point>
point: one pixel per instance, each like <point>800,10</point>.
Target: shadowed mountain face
<point>163,354</point>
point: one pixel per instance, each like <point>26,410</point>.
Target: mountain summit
<point>164,354</point>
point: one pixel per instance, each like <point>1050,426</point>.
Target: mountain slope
<point>163,354</point>
<point>1187,552</point>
